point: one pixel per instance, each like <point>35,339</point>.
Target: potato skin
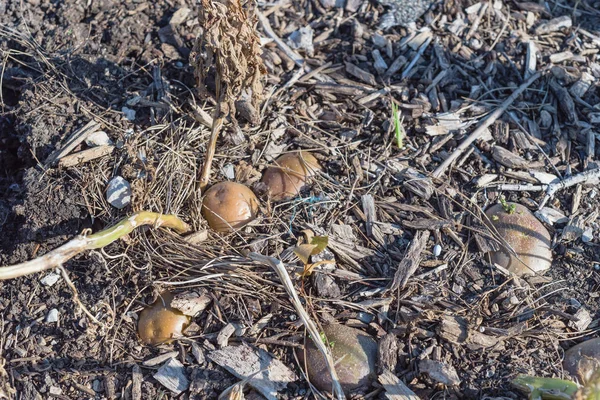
<point>353,351</point>
<point>583,360</point>
<point>526,235</point>
<point>229,206</point>
<point>160,323</point>
<point>289,174</point>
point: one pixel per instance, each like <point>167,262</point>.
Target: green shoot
<point>508,207</point>
<point>398,128</point>
<point>327,342</point>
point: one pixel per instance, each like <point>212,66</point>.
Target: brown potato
<point>228,206</point>
<point>354,353</point>
<point>582,360</point>
<point>160,323</point>
<point>526,235</point>
<point>289,174</point>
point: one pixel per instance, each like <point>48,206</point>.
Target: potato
<point>582,360</point>
<point>354,353</point>
<point>288,176</point>
<point>229,206</point>
<point>525,234</point>
<point>160,323</point>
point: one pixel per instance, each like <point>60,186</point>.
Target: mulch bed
<point>406,240</point>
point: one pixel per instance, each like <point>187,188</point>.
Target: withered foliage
<point>229,49</point>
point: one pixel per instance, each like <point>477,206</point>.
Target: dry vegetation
<point>506,92</point>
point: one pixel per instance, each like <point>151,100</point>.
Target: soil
<point>69,62</point>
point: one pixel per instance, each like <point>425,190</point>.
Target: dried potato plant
<point>229,49</point>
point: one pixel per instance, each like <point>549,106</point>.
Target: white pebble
<point>50,279</point>
<point>437,250</point>
<point>587,236</point>
<point>129,113</point>
<point>99,138</point>
<point>593,193</point>
<point>52,315</point>
<point>118,192</point>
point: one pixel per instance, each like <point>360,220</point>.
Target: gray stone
<point>118,192</point>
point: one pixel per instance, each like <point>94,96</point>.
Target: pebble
<point>587,236</point>
<point>129,113</point>
<point>592,194</point>
<point>118,192</point>
<point>99,138</point>
<point>437,250</point>
<point>50,279</point>
<point>52,315</point>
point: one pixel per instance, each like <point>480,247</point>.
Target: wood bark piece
<point>136,383</point>
<point>85,156</point>
<point>266,374</point>
<point>482,128</point>
<point>440,372</point>
<point>455,330</point>
<point>394,388</point>
<point>172,376</point>
<point>410,263</point>
<point>73,141</point>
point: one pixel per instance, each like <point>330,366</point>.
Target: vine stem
<point>57,257</point>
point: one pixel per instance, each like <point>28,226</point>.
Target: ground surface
<point>70,62</point>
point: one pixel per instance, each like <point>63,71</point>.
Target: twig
<point>279,268</point>
<point>484,125</point>
<point>84,156</point>
<point>73,141</point>
<point>211,148</point>
<point>59,256</point>
<point>420,52</point>
<point>583,177</point>
<point>551,189</point>
<point>75,294</point>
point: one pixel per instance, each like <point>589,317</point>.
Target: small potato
<point>289,174</point>
<point>582,360</point>
<point>160,323</point>
<point>354,353</point>
<point>228,206</point>
<point>526,235</point>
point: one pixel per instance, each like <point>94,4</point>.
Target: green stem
<point>81,243</point>
<point>545,388</point>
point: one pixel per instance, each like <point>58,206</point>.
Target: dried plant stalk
<point>228,49</point>
<point>81,243</point>
<point>310,325</point>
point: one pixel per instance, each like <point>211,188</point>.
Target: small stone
<point>52,316</point>
<point>588,235</point>
<point>129,113</point>
<point>437,250</point>
<point>593,194</point>
<point>50,279</point>
<point>118,192</point>
<point>99,138</point>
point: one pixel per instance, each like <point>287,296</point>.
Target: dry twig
<point>310,325</point>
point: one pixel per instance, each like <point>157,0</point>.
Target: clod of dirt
<point>583,360</point>
<point>525,234</point>
<point>160,323</point>
<point>354,354</point>
<point>289,174</point>
<point>229,206</point>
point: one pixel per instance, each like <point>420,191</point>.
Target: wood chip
<point>411,260</point>
<point>136,385</point>
<point>440,372</point>
<point>509,159</point>
<point>268,375</point>
<point>85,156</point>
<point>361,74</point>
<point>394,388</point>
<point>160,359</point>
<point>73,141</point>
<point>455,330</point>
<point>172,376</point>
